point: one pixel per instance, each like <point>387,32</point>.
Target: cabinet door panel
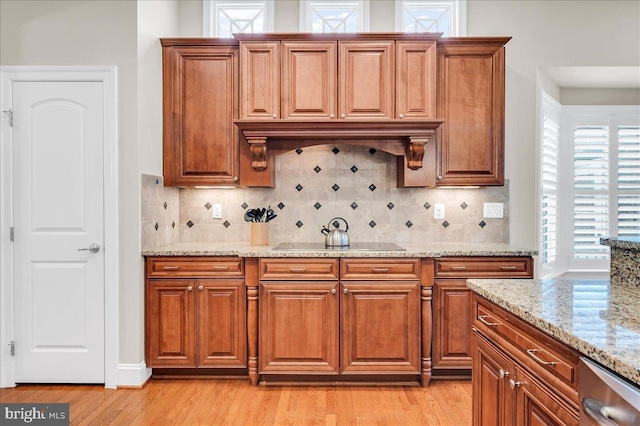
<point>492,401</point>
<point>298,327</point>
<point>170,323</point>
<point>366,79</point>
<point>201,102</point>
<point>471,101</point>
<point>452,324</point>
<point>260,80</point>
<point>380,327</point>
<point>309,79</point>
<point>415,80</point>
<point>221,324</point>
<point>536,405</point>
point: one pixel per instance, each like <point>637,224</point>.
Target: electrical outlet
<point>493,210</point>
<point>216,211</point>
<point>438,211</point>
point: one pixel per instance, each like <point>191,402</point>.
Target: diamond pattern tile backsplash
<point>315,185</point>
<point>160,213</point>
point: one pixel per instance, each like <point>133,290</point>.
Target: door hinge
<point>10,113</point>
<point>13,347</point>
<point>11,234</point>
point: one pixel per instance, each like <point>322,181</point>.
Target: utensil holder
<point>259,233</point>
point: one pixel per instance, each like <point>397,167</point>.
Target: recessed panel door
<point>58,219</point>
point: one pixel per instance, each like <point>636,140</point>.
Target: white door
<point>58,142</point>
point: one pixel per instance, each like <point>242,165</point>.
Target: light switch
<point>438,211</point>
<point>216,211</point>
<point>493,210</point>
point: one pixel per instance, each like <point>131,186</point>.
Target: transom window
<point>447,17</point>
<point>224,18</point>
<point>334,16</point>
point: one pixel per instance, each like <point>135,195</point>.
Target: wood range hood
<point>411,141</point>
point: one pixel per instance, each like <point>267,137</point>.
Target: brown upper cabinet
<point>200,102</point>
<point>471,78</point>
<point>357,78</point>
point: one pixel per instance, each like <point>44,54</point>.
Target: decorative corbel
<point>414,151</point>
<point>258,146</point>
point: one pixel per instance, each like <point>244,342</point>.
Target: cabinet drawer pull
<point>221,268</point>
<point>485,322</point>
<point>171,268</point>
<point>532,354</point>
<point>379,269</point>
<point>502,373</point>
<point>292,269</point>
<point>457,268</point>
<point>508,268</point>
<point>513,384</point>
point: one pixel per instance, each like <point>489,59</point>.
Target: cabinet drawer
<point>295,269</point>
<point>380,269</point>
<point>543,355</point>
<point>194,267</point>
<point>479,267</point>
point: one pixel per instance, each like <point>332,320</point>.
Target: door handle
<point>93,248</point>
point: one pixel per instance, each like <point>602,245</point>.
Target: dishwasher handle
<point>599,413</point>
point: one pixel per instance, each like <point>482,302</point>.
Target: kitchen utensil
<point>336,237</point>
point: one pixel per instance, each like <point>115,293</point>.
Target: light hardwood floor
<point>188,402</point>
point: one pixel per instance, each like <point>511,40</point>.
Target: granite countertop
<point>627,243</point>
<point>411,250</point>
<point>599,319</point>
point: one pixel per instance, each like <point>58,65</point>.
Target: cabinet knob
<point>513,384</point>
<point>200,287</point>
<point>274,115</point>
<point>345,291</point>
<point>439,177</point>
<point>343,115</point>
<point>502,373</point>
<point>235,178</point>
<point>331,115</point>
<point>333,291</point>
<point>401,116</point>
<point>190,288</point>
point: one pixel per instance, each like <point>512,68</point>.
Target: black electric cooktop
<point>374,246</point>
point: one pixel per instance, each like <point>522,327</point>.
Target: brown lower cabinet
<point>195,313</point>
<point>452,314</point>
<point>520,375</point>
<point>365,322</point>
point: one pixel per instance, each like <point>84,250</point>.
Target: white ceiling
<point>595,77</point>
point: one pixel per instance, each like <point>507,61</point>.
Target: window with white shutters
<point>605,188</point>
<point>589,183</point>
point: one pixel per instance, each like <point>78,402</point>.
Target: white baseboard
<point>133,375</point>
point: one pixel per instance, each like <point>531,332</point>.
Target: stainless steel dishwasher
<point>605,398</point>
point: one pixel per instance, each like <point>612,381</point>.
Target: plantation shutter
<point>591,191</point>
<point>549,172</point>
<point>628,181</point>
